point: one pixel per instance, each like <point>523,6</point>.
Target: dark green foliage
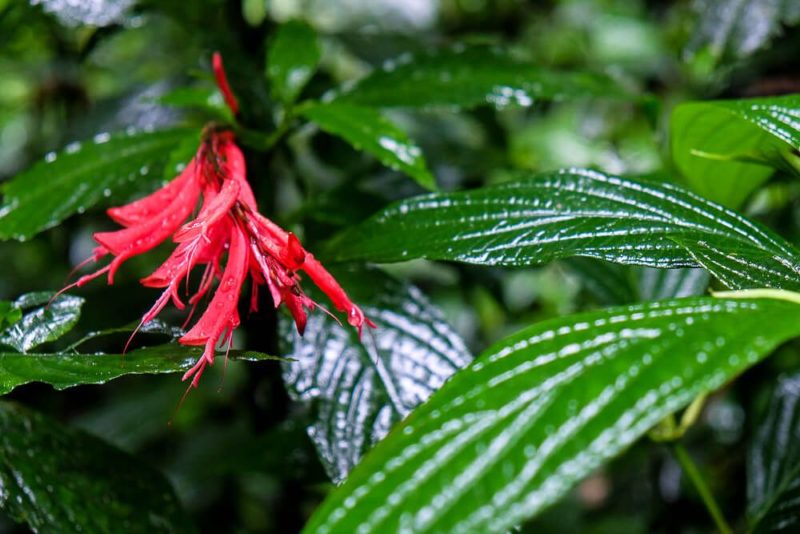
<point>596,172</point>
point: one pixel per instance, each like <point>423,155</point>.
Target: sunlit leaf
<point>366,129</point>
<point>727,148</point>
<point>58,479</point>
<point>542,409</point>
<point>292,59</point>
<point>48,322</point>
<point>80,176</point>
<point>773,474</point>
<point>469,77</point>
<point>577,213</point>
<point>361,388</point>
<point>64,370</point>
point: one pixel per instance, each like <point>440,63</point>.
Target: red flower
<point>227,226</point>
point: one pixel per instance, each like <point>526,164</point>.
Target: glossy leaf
<point>79,177</point>
<point>360,389</point>
<point>64,370</point>
<point>292,59</point>
<point>368,130</point>
<point>727,148</point>
<point>734,29</point>
<point>773,474</point>
<point>469,77</point>
<point>45,323</point>
<point>58,479</point>
<point>576,213</point>
<point>542,409</point>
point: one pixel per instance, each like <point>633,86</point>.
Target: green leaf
<point>207,99</point>
<point>658,284</point>
<point>542,409</point>
<point>360,389</point>
<point>65,370</point>
<point>735,29</point>
<point>9,314</point>
<point>46,323</point>
<point>469,77</point>
<point>717,144</point>
<point>577,213</point>
<point>773,467</point>
<point>366,129</point>
<point>79,177</point>
<point>292,59</point>
<point>58,479</point>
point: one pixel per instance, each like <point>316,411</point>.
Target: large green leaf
<point>366,129</point>
<point>47,322</point>
<point>292,59</point>
<point>64,370</point>
<point>9,314</point>
<point>469,77</point>
<point>577,213</point>
<point>80,176</point>
<point>727,148</point>
<point>773,474</point>
<point>361,388</point>
<point>540,410</point>
<point>58,479</point>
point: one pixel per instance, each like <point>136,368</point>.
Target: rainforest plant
<point>546,313</point>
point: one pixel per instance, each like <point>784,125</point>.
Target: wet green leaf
<point>64,370</point>
<point>577,213</point>
<point>292,59</point>
<point>773,474</point>
<point>45,323</point>
<point>471,77</point>
<point>542,409</point>
<point>658,284</point>
<point>58,479</point>
<point>727,148</point>
<point>81,175</point>
<point>361,388</point>
<point>366,129</point>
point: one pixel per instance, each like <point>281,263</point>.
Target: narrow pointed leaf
<point>576,213</point>
<point>366,129</point>
<point>542,409</point>
<point>469,77</point>
<point>292,59</point>
<point>80,176</point>
<point>59,479</point>
<point>47,322</point>
<point>773,474</point>
<point>717,144</point>
<point>361,388</point>
<point>65,370</point>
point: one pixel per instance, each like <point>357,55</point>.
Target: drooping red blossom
<point>227,230</point>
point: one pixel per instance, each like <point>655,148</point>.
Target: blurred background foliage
<point>237,451</point>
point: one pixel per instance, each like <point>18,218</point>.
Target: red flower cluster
<point>228,222</point>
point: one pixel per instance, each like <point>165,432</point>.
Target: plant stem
<point>694,475</point>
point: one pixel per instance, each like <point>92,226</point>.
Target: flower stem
<point>700,485</point>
